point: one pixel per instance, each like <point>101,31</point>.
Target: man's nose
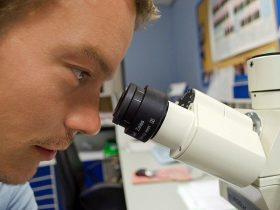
<point>84,120</point>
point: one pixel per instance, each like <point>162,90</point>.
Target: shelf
<point>91,155</point>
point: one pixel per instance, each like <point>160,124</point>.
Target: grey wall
<point>150,58</point>
<point>188,67</point>
<point>167,50</point>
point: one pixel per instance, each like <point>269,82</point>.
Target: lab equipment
<point>241,147</point>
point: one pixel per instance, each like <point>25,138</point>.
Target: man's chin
<point>18,177</point>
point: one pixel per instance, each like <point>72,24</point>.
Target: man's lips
<point>46,153</point>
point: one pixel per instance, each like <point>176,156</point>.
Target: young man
<point>54,56</point>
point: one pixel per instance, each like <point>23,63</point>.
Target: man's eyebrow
<point>94,55</point>
<point>91,53</point>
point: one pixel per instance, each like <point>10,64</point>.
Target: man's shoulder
<point>16,197</point>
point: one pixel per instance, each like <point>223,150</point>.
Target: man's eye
<point>80,74</point>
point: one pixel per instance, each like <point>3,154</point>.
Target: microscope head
<point>264,83</point>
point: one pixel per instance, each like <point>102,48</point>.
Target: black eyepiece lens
<point>141,111</point>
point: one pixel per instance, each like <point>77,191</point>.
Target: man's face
<point>52,65</point>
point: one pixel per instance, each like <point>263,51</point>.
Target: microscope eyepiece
<point>141,111</point>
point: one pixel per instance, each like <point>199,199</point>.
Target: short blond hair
<point>146,11</point>
<point>12,11</point>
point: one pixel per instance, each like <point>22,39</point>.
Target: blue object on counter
<point>240,89</point>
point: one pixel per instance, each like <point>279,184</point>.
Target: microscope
<point>240,147</point>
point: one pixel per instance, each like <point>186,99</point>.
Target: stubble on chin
<point>4,178</point>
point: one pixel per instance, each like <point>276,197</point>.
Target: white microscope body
<point>244,153</point>
<point>222,142</point>
<point>241,147</point>
<point>264,86</point>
